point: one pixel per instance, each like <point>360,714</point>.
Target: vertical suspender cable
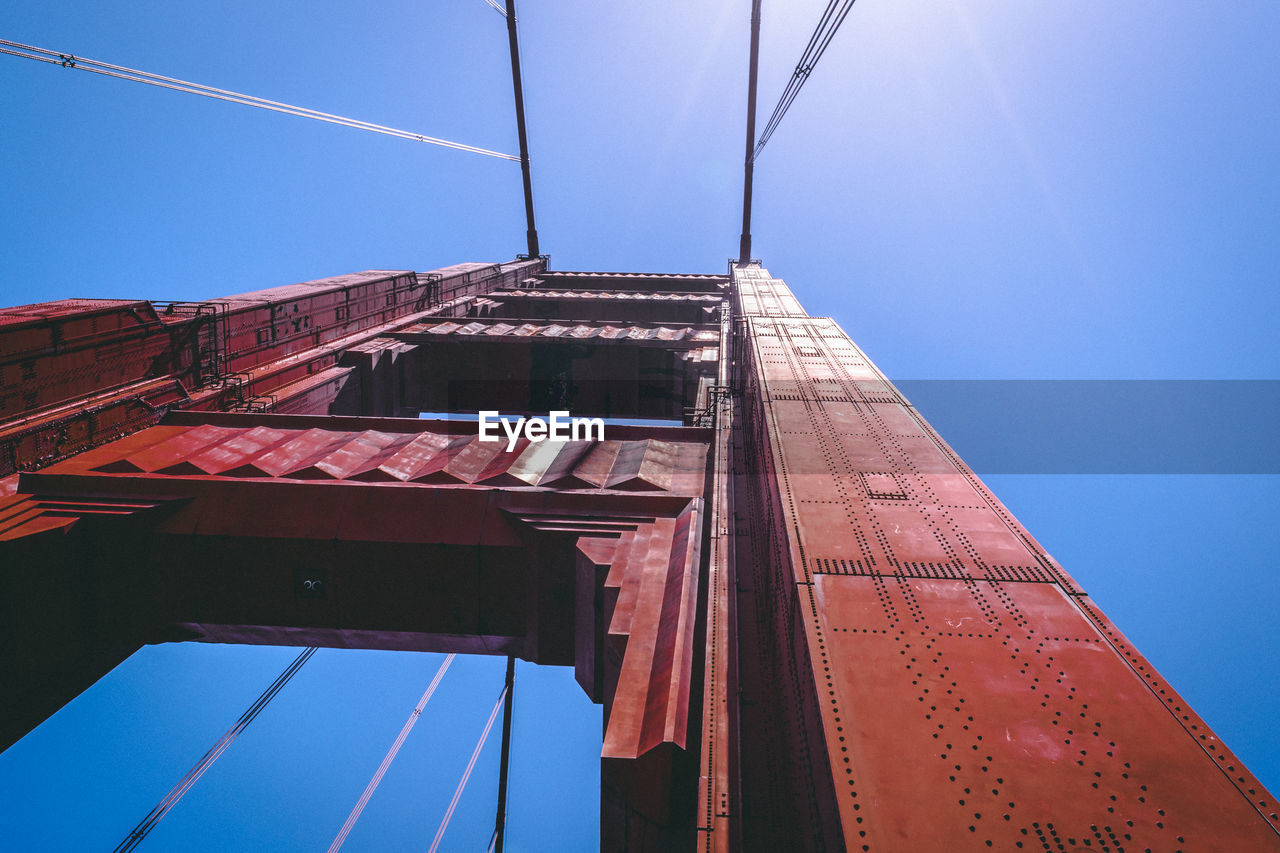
<point>744,246</point>
<point>466,774</point>
<point>134,838</point>
<point>341,837</point>
<point>500,823</point>
<point>518,86</point>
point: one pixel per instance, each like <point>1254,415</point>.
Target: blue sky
<point>981,189</point>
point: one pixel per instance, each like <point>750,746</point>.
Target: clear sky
<point>977,189</point>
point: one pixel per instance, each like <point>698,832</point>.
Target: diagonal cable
<point>341,837</point>
<point>80,63</point>
<point>148,823</point>
<point>466,774</point>
<point>832,17</point>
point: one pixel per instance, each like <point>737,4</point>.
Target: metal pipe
<point>501,825</point>
<point>524,139</point>
<point>744,247</point>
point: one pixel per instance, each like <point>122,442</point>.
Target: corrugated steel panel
<point>279,451</point>
<point>580,331</point>
<point>620,295</point>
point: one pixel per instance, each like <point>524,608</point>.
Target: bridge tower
<point>811,626</point>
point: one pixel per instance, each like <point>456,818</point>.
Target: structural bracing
<point>811,626</point>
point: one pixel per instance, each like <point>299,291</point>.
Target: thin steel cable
<point>496,6</point>
<point>466,774</point>
<point>40,54</point>
<point>71,61</point>
<point>817,47</point>
<point>341,837</point>
<point>802,70</point>
<point>517,86</point>
<point>267,105</point>
<point>134,838</point>
<point>832,17</point>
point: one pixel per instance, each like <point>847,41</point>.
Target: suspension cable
<point>134,838</point>
<point>497,7</point>
<point>832,17</point>
<point>517,85</point>
<point>748,176</point>
<point>504,762</point>
<point>341,837</point>
<point>80,63</point>
<point>466,774</point>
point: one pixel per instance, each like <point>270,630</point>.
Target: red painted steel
<point>76,373</point>
<point>947,686</point>
<point>57,351</point>
<point>811,625</point>
<point>663,336</point>
<point>247,500</point>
